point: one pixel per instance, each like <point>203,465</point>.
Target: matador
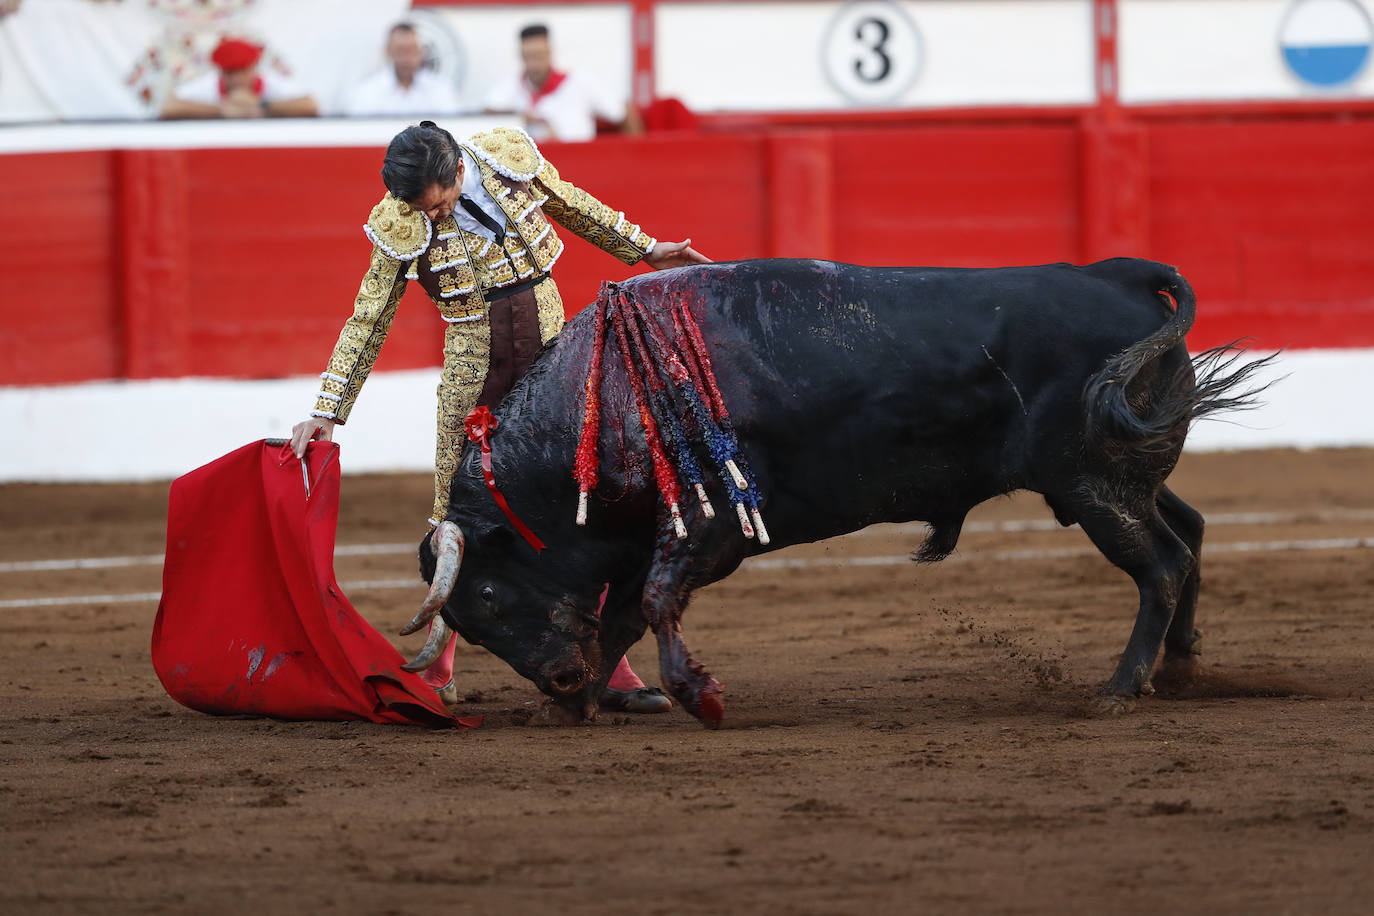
<point>470,221</point>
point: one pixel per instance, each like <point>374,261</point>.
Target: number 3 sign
<point>871,52</point>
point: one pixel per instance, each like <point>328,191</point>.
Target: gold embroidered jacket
<point>454,266</point>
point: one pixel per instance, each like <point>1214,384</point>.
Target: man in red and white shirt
<point>555,105</point>
<point>237,89</point>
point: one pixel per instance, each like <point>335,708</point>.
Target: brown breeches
<point>483,360</point>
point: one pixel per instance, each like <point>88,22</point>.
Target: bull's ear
<point>499,540</point>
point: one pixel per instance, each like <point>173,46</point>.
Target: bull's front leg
<point>622,625</point>
<point>665,598</point>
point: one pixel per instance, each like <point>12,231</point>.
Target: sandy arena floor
<point>898,738</point>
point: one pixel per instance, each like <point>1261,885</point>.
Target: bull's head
<point>542,630</point>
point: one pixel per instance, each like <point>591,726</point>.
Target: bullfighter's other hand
<point>674,254</point>
<point>312,428</point>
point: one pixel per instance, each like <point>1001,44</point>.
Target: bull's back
<point>869,394</point>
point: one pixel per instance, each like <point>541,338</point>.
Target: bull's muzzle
<point>565,679</point>
<point>568,682</point>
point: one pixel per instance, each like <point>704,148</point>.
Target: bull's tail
<point>1129,406</point>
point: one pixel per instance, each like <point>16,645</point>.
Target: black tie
<point>481,216</point>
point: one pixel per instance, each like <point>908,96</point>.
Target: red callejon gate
<point>61,318</point>
<point>244,263</point>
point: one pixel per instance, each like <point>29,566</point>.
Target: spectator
<point>555,105</point>
<point>405,87</point>
<point>235,89</point>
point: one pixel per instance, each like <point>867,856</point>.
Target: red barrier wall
<point>244,263</point>
<point>60,314</point>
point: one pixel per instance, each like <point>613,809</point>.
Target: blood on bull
<point>850,395</point>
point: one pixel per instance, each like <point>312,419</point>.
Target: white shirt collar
<point>474,189</point>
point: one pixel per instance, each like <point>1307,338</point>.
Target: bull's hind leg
<point>1181,643</point>
<point>1131,534</point>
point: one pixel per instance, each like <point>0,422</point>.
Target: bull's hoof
<point>1114,704</point>
<point>1176,674</point>
<point>704,699</point>
<point>1182,662</point>
<point>1184,654</point>
<point>712,700</point>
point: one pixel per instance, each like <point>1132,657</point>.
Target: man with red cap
<point>236,89</point>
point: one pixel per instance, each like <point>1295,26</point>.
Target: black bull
<point>859,395</point>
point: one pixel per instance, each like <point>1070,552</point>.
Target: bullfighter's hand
<point>313,428</point>
<point>674,254</point>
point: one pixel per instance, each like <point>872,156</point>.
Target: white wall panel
<point>762,56</point>
<point>144,435</point>
<point>1202,50</point>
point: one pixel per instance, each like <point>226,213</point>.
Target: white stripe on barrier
<point>130,598</point>
<point>151,559</point>
<point>1010,526</point>
<point>136,597</point>
<point>1219,518</point>
<point>770,563</point>
<point>369,550</point>
<point>774,563</point>
<point>1318,403</point>
<point>155,559</point>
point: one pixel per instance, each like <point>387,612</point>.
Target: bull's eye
<point>488,593</point>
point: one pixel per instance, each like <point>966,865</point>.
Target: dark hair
<point>538,30</point>
<point>400,27</point>
<point>418,157</point>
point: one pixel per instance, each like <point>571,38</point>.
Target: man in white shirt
<point>405,87</point>
<point>237,89</point>
<point>555,105</point>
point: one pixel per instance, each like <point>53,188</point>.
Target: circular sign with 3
<point>872,52</point>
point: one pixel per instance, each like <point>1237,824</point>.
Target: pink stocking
<point>441,672</point>
<point>624,677</point>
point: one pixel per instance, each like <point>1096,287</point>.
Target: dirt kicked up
<point>897,738</point>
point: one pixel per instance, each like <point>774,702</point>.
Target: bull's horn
<point>439,634</point>
<point>448,539</point>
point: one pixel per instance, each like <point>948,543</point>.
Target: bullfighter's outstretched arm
<point>509,156</point>
<point>581,213</point>
<point>398,234</point>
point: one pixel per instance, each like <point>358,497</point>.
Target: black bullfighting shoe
<point>641,699</point>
